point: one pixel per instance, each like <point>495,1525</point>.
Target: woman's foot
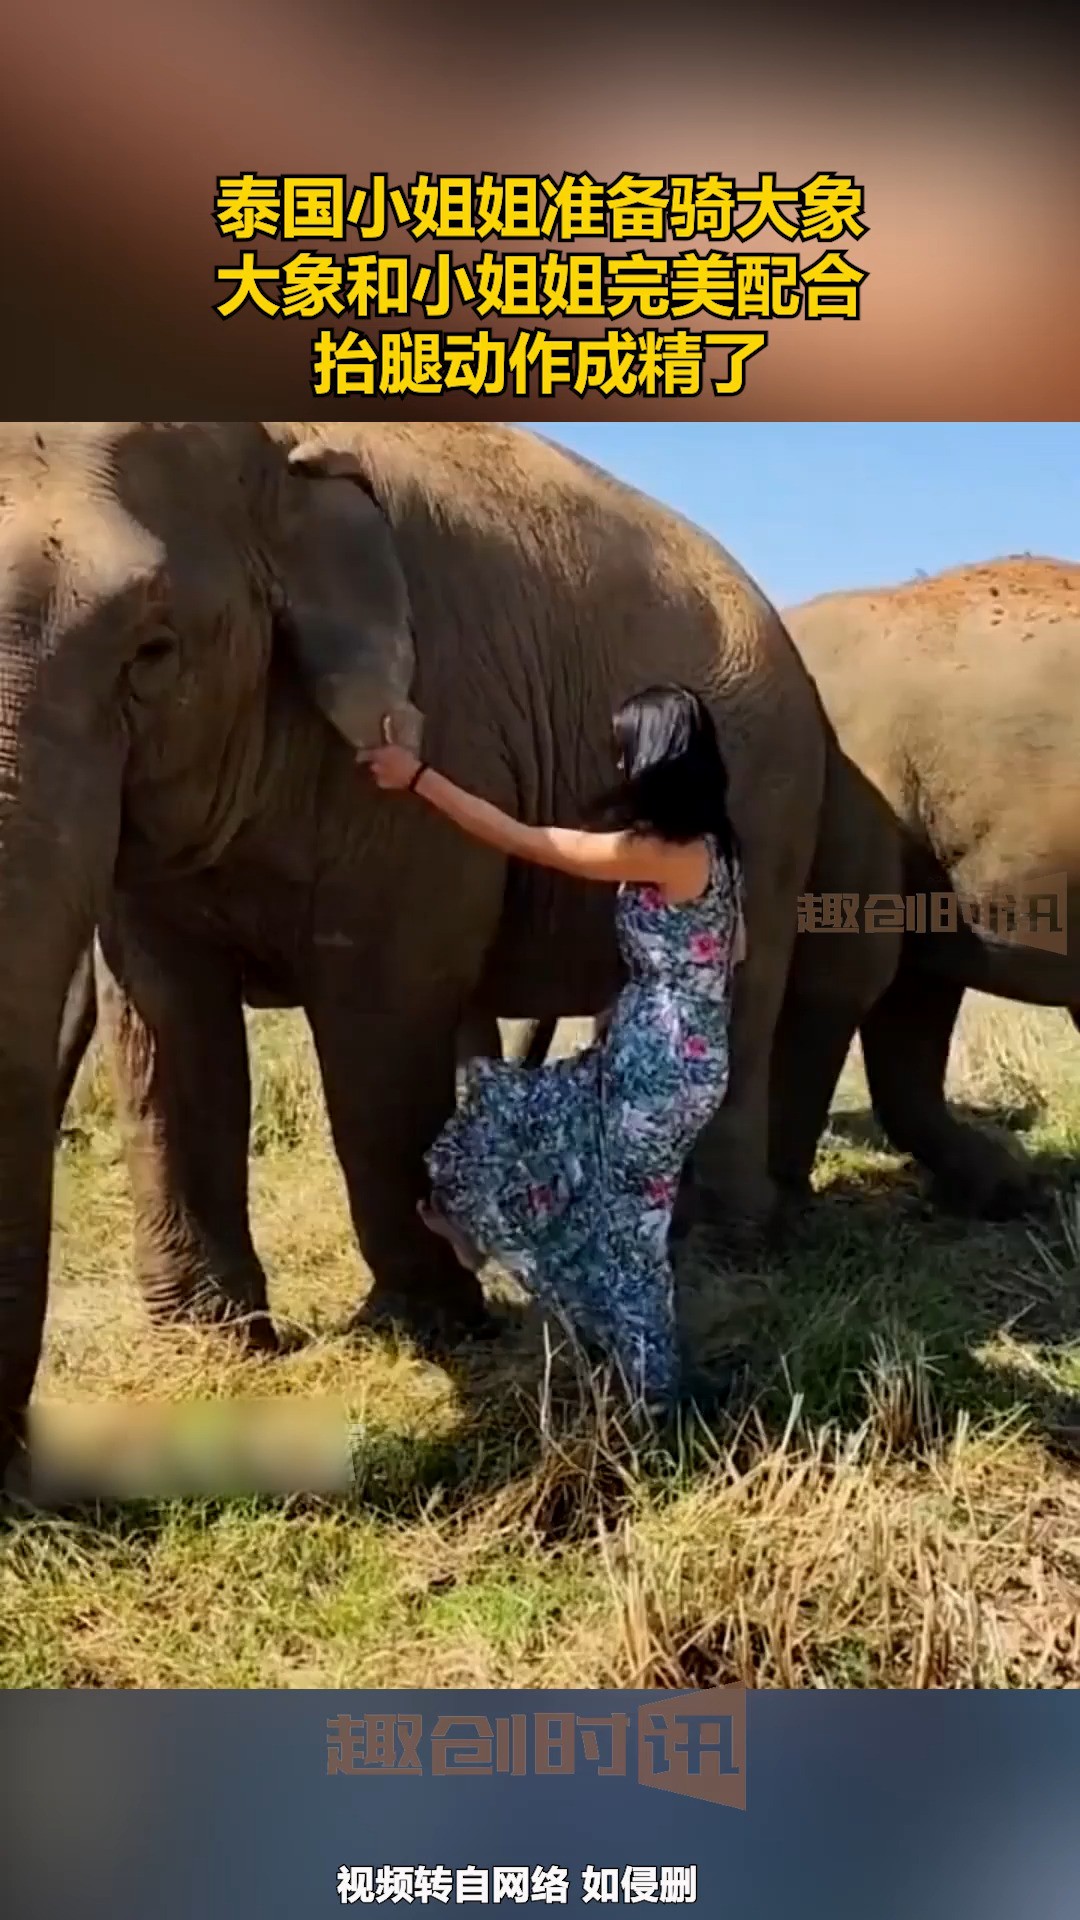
<point>437,1223</point>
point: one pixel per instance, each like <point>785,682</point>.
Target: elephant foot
<point>238,1312</point>
<point>253,1333</point>
<point>978,1179</point>
<point>993,1196</point>
<point>14,1457</point>
<point>436,1324</point>
<point>745,1230</point>
<point>796,1206</point>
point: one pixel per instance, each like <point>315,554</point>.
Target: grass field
<point>893,1499</point>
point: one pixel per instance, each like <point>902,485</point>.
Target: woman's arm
<point>611,857</point>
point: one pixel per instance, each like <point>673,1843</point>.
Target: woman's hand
<point>392,767</point>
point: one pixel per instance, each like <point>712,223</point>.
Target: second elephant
<point>954,701</point>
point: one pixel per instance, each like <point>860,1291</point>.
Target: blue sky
<point>810,507</point>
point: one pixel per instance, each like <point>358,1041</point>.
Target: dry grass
<point>892,1500</point>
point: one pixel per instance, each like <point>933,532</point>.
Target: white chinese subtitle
<point>515,1886</point>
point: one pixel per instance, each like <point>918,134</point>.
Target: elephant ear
<point>344,601</point>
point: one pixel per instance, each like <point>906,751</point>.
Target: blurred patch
<point>208,1448</point>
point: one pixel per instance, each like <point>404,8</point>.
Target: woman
<point>567,1174</point>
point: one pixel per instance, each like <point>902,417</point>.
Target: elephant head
<point>150,574</point>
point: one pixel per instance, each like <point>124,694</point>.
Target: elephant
<point>949,700</point>
<point>203,625</point>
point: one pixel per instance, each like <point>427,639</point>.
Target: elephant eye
<point>157,649</point>
<point>154,665</point>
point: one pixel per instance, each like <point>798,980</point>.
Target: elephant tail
<point>77,1025</point>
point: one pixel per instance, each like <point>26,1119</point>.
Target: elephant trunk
<point>59,827</point>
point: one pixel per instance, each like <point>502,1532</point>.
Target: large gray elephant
<point>174,594</point>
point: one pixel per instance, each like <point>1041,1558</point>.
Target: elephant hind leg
<point>540,1043</point>
<point>905,1041</point>
<point>812,1042</point>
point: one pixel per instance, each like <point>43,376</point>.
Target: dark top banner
<point>936,1806</point>
<point>244,210</point>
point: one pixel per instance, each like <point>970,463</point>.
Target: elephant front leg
<point>905,1043</point>
<point>172,1023</point>
<point>389,1085</point>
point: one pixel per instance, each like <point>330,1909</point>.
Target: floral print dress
<point>566,1174</point>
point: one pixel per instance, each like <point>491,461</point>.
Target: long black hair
<point>674,782</point>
